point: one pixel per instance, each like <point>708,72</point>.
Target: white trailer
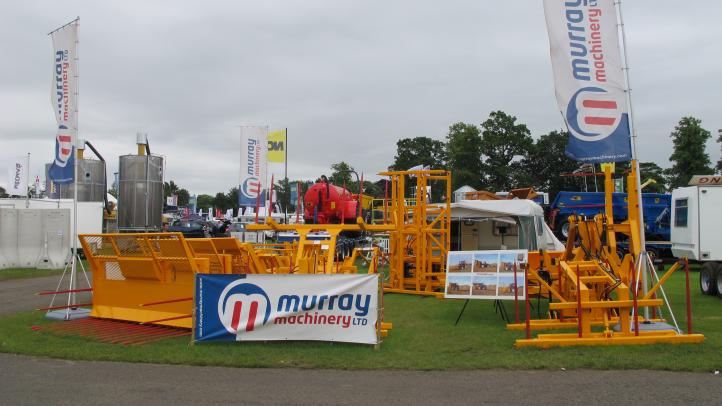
<point>696,226</point>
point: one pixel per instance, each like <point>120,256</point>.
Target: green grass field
<point>22,273</point>
<point>423,337</point>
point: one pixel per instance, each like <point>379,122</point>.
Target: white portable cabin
<point>40,235</point>
<point>697,220</point>
<point>500,224</point>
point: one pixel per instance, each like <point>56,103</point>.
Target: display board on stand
<point>486,275</point>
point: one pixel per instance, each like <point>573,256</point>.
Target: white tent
<point>493,224</point>
<point>461,192</point>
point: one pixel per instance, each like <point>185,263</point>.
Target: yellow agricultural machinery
<point>603,297</point>
<point>148,277</point>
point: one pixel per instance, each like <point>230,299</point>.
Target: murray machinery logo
<point>62,84</point>
<point>251,187</point>
<point>63,146</point>
<point>593,114</point>
<point>586,45</point>
<point>242,306</point>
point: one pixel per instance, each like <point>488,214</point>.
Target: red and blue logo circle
<point>63,146</point>
<point>242,306</point>
<point>593,114</point>
<point>251,187</point>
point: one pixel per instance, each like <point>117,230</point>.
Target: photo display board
<point>485,274</point>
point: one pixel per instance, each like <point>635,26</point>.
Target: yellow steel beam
<point>606,304</point>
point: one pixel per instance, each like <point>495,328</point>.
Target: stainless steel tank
<point>140,193</point>
<point>90,174</point>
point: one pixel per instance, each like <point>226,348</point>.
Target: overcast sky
<point>348,79</point>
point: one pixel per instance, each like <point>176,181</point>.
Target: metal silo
<point>140,190</point>
<point>90,174</point>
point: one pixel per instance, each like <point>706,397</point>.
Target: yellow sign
<point>610,165</point>
<point>277,146</point>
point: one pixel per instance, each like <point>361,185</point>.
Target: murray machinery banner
<point>287,307</point>
<point>18,177</point>
<point>254,149</point>
<point>63,98</point>
<point>589,81</point>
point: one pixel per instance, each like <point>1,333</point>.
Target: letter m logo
<point>275,145</point>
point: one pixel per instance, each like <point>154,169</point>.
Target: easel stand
<point>498,308</point>
<point>71,310</point>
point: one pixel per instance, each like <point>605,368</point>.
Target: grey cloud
<point>347,78</point>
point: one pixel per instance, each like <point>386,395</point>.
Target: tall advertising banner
<point>590,90</point>
<point>277,147</point>
<point>287,307</point>
<point>18,177</point>
<point>254,145</point>
<point>63,97</point>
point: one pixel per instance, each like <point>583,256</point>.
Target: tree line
<point>499,154</point>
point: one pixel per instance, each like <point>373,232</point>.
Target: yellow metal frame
<point>131,271</point>
<point>592,286</point>
<point>420,240</point>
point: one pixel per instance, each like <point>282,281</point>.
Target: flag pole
<point>287,187</point>
<point>74,267</point>
<point>635,157</point>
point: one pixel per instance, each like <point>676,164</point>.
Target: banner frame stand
<point>380,312</point>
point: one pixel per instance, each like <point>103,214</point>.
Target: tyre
<point>652,254</point>
<point>563,229</point>
<point>708,278</point>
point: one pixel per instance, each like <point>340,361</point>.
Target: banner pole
<point>74,260</point>
<point>635,158</point>
<point>287,201</point>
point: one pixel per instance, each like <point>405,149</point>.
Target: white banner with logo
<point>254,151</point>
<point>287,307</point>
<point>63,97</point>
<point>588,76</point>
<point>18,177</point>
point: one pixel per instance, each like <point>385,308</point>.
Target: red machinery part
<point>329,204</point>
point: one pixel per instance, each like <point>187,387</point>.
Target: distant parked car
<point>191,229</point>
<point>236,230</point>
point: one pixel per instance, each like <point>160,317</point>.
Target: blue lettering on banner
<point>229,306</point>
<point>598,123</point>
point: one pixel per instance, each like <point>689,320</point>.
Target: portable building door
<point>685,222</point>
<point>710,223</point>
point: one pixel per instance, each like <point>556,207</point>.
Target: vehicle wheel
<point>708,279</point>
<point>563,229</point>
<point>652,254</point>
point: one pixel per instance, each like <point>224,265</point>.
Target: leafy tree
<point>463,154</point>
<point>503,145</point>
<point>112,191</point>
<point>221,201</point>
<point>232,196</point>
<point>650,170</point>
<point>169,188</point>
<point>204,201</point>
<point>184,197</point>
<point>546,162</point>
<point>416,151</point>
<point>689,156</point>
<point>342,173</point>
